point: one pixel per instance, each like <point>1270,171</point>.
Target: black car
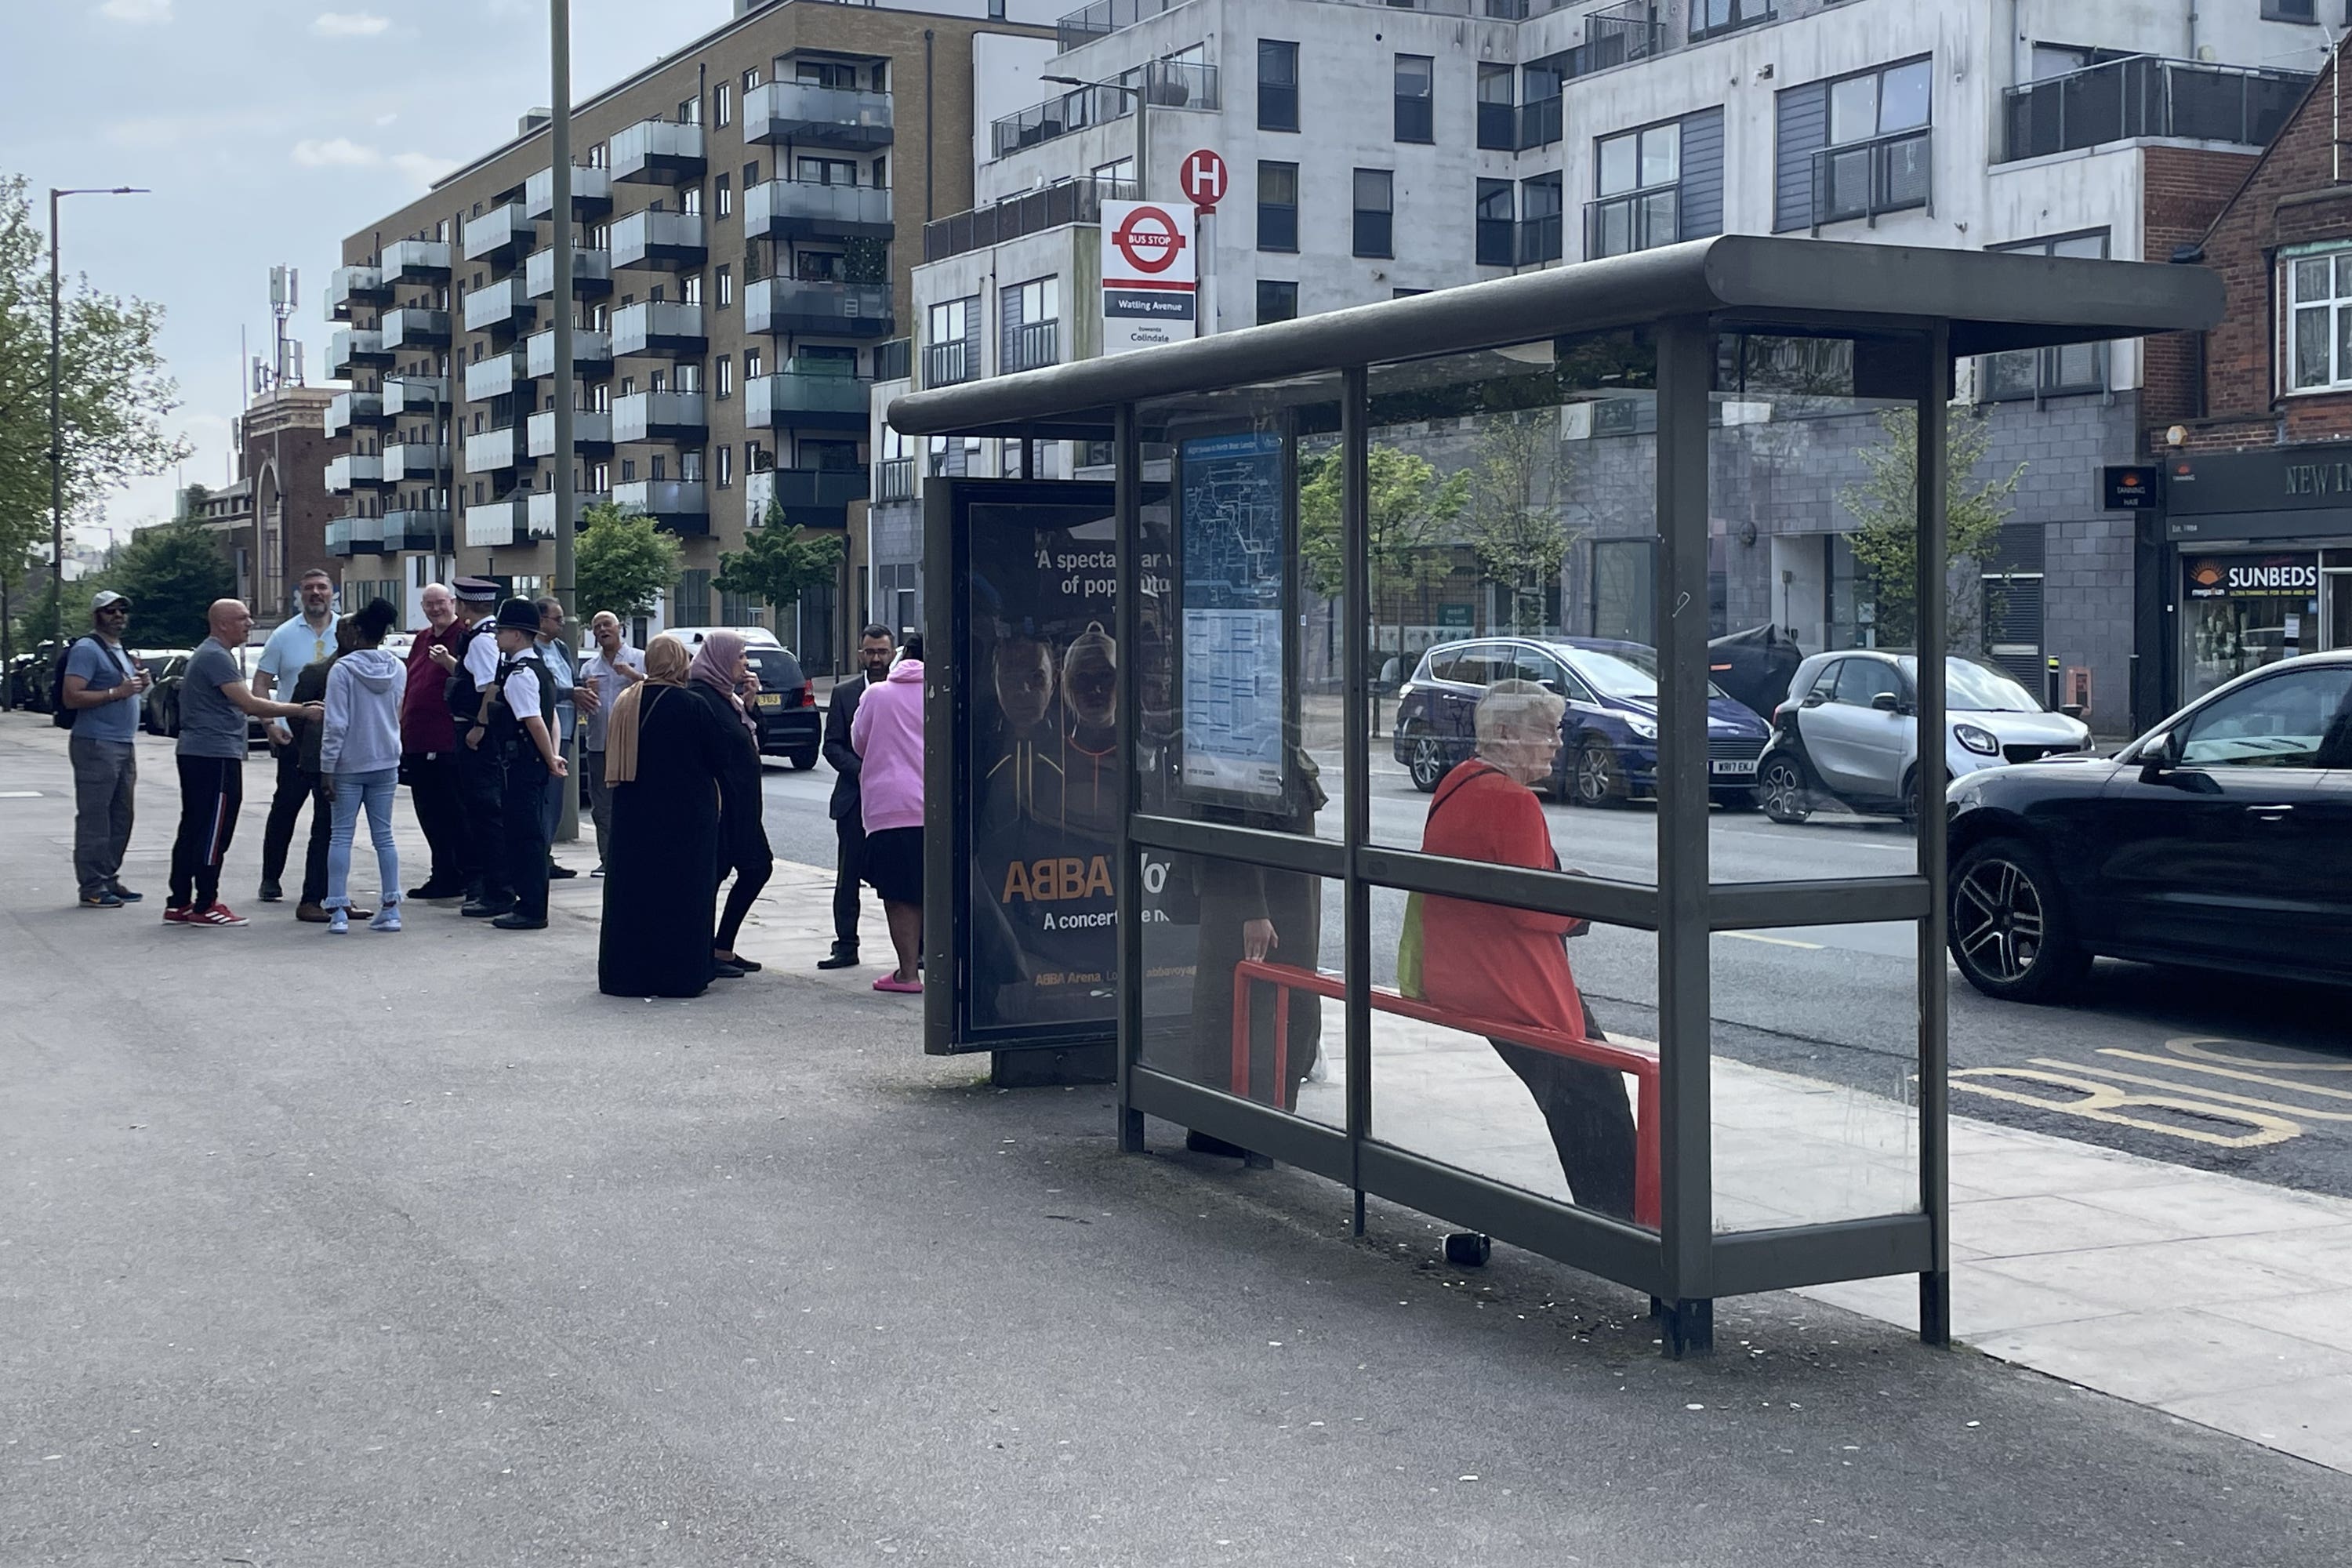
<point>792,725</point>
<point>2221,838</point>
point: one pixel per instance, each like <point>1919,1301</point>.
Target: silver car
<point>1849,732</point>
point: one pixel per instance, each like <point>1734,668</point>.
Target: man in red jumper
<point>428,750</point>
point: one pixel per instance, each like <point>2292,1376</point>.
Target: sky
<point>268,130</point>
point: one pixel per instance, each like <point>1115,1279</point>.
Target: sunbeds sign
<point>1148,276</point>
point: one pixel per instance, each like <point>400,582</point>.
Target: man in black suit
<point>874,650</point>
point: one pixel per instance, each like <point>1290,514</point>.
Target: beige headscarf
<point>666,662</point>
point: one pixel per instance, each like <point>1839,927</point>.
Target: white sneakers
<point>339,921</point>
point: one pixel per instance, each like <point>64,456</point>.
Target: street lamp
<point>1142,128</point>
<point>56,427</point>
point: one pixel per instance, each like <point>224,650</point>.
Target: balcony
<point>1637,220</point>
<point>839,119</point>
<point>494,451</point>
<point>497,376</point>
<point>660,419</point>
<point>1541,239</point>
<point>950,363</point>
<point>658,242</point>
<point>1166,84</point>
<point>894,361</point>
<point>356,348</point>
<point>501,309</point>
<point>354,410</point>
<point>355,471</point>
<point>412,462</point>
<point>500,234</point>
<point>349,285</point>
<point>541,509</point>
<point>681,506</point>
<point>1032,346</point>
<point>349,536</point>
<point>659,328</point>
<point>415,394</point>
<point>417,261</point>
<point>416,528</point>
<point>799,209</point>
<point>591,432</point>
<point>800,397</point>
<point>592,274</point>
<point>498,524</point>
<point>592,354</point>
<point>893,480</point>
<point>1864,179</point>
<point>781,305</point>
<point>808,497</point>
<point>658,153</point>
<point>413,329</point>
<point>1103,19</point>
<point>2146,96</point>
<point>591,194</point>
<point>1071,201</point>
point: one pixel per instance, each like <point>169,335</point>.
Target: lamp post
<point>558,137</point>
<point>57,424</point>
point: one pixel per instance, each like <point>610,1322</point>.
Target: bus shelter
<point>1462,546</point>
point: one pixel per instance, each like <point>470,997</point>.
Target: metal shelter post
<point>1128,505</point>
<point>1935,980</point>
<point>1355,662</point>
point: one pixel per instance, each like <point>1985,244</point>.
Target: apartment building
<point>737,212</point>
<point>1523,133</point>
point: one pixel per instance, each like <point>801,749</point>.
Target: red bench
<point>1285,979</point>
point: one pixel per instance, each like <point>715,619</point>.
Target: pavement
<point>415,1249</point>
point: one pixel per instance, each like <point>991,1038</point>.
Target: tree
<point>1410,514</point>
<point>1885,509</point>
<point>113,394</point>
<point>171,572</point>
<point>1516,529</point>
<point>777,564</point>
<point>623,563</point>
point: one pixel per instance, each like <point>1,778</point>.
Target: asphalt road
<point>2208,1070</point>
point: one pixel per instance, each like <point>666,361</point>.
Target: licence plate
<point>1729,765</point>
<point>771,699</point>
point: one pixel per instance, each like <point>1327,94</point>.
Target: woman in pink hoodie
<point>887,736</point>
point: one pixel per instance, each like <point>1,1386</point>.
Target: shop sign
<point>2252,577</point>
<point>2130,489</point>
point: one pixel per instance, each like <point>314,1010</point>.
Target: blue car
<point>1609,735</point>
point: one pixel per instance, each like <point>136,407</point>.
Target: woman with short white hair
<point>1493,962</point>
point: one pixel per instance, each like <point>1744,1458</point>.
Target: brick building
<point>2250,559</point>
<point>272,517</point>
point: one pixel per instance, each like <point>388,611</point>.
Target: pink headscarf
<point>714,666</point>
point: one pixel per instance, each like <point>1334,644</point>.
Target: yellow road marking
<point>2106,1102</point>
<point>2227,1072</point>
<point>2194,1046</point>
<point>1775,940</point>
<point>2198,1089</point>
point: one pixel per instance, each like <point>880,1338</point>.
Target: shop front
<point>2258,562</point>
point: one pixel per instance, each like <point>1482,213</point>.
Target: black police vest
<point>457,688</point>
<point>507,738</point>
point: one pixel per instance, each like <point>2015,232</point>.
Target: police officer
<point>516,728</point>
<point>469,665</point>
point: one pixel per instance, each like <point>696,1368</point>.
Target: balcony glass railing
<point>416,528</point>
<point>807,396</point>
<point>541,509</point>
<point>781,305</point>
<point>1103,19</point>
<point>1165,84</point>
<point>1635,220</point>
<point>660,417</point>
<point>417,261</point>
<point>355,471</point>
<point>404,462</point>
<point>415,394</point>
<point>793,209</point>
<point>1864,179</point>
<point>490,451</point>
<point>2146,96</point>
<point>842,119</point>
<point>682,506</point>
<point>592,430</point>
<point>499,233</point>
<point>592,274</point>
<point>664,241</point>
<point>592,354</point>
<point>504,305</point>
<point>349,536</point>
<point>498,524</point>
<point>351,350</point>
<point>349,285</point>
<point>497,376</point>
<point>591,194</point>
<point>661,329</point>
<point>415,327</point>
<point>347,410</point>
<point>807,497</point>
<point>1064,202</point>
<point>659,152</point>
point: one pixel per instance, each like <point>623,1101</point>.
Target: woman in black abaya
<point>665,753</point>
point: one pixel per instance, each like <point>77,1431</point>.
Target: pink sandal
<point>905,987</point>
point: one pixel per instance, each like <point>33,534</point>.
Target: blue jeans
<point>375,790</point>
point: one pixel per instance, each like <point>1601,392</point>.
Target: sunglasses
<point>115,610</point>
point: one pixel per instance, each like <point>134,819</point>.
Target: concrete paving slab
<point>2164,1356</point>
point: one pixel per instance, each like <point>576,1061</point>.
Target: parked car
<point>791,726</point>
<point>1609,735</point>
<point>159,711</point>
<point>1848,733</point>
<point>2223,839</point>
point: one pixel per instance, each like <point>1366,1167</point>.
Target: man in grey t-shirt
<point>102,684</point>
<point>215,703</point>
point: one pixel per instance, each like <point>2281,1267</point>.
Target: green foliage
<point>623,563</point>
<point>171,572</point>
<point>1885,508</point>
<point>1409,515</point>
<point>866,261</point>
<point>777,564</point>
<point>1514,527</point>
<point>113,398</point>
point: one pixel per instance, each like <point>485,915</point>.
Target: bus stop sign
<point>1204,179</point>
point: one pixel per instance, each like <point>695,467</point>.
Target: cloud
<point>343,24</point>
<point>388,117</point>
<point>342,153</point>
<point>137,13</point>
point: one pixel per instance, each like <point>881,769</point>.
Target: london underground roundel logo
<point>1148,240</point>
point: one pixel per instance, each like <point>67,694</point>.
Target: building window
<point>751,364</point>
<point>693,599</point>
<point>1277,85</point>
<point>948,358</point>
<point>628,470</point>
<point>722,104</point>
<point>723,187</point>
<point>690,113</point>
<point>1856,146</point>
<point>1110,177</point>
<point>1375,213</point>
<point>1497,224</point>
<point>2319,321</point>
<point>689,288</point>
<point>1416,98</point>
<point>1032,324</point>
<point>1277,302</point>
<point>1540,202</point>
<point>2291,11</point>
<point>726,277</point>
<point>751,80</point>
<point>1708,17</point>
<point>2053,372</point>
<point>751,173</point>
<point>1638,191</point>
<point>1277,207</point>
<point>1497,112</point>
<point>722,377</point>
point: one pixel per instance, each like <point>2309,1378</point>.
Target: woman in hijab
<point>664,754</point>
<point>718,681</point>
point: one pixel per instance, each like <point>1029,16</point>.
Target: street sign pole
<point>566,489</point>
<point>1204,177</point>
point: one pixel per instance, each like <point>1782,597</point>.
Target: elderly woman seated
<point>1497,963</point>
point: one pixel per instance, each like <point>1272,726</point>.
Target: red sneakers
<point>219,914</point>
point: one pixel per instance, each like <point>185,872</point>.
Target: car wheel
<point>2009,930</point>
<point>1428,762</point>
<point>1598,780</point>
<point>1911,800</point>
<point>1782,791</point>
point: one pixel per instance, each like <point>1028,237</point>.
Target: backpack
<point>60,715</point>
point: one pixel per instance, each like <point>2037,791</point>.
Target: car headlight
<point>1983,742</point>
<point>1644,729</point>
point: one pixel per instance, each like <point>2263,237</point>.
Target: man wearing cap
<point>428,748</point>
<point>102,684</point>
<point>470,668</point>
<point>517,728</point>
<point>299,643</point>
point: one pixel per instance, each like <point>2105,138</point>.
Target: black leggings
<point>749,878</point>
<point>1592,1124</point>
<point>212,791</point>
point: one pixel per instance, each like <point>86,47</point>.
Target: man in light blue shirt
<point>559,657</point>
<point>102,684</point>
<point>305,639</point>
